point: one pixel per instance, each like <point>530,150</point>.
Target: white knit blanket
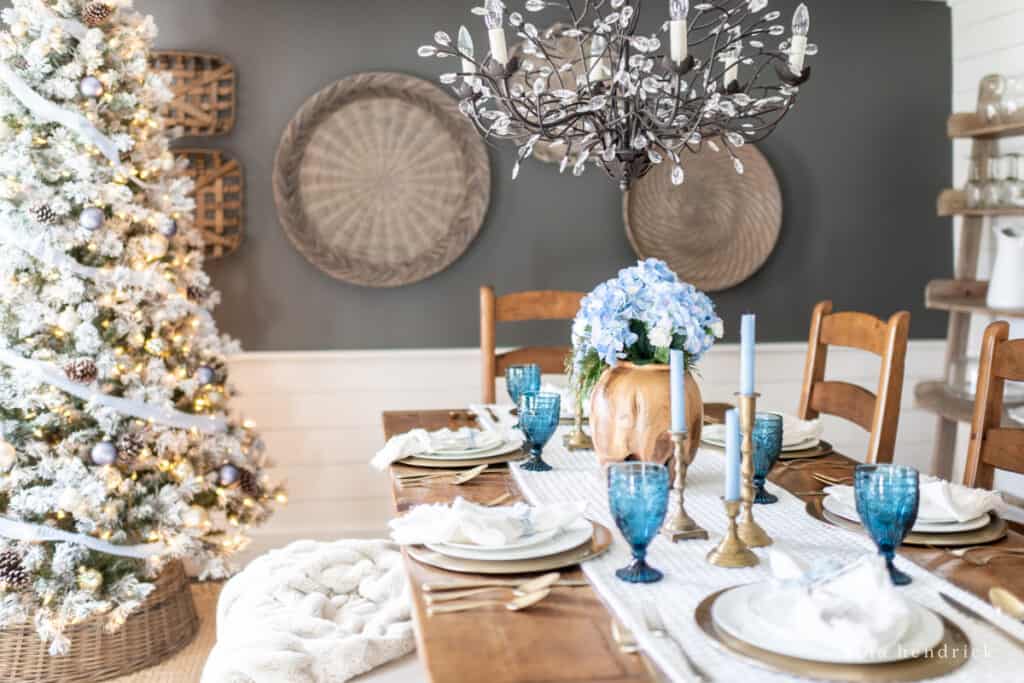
<point>312,613</point>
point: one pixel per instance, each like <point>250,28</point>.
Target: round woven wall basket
<point>165,623</point>
<point>715,230</point>
<point>381,181</point>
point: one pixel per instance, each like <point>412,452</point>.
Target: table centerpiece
<point>622,340</point>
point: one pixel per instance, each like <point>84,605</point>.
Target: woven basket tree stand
<point>165,623</point>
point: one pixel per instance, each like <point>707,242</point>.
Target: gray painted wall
<point>860,162</point>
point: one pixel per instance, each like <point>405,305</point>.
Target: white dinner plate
<point>525,542</point>
<point>486,441</point>
<point>836,507</point>
<point>759,616</point>
<point>571,537</point>
<point>802,446</point>
<point>502,449</point>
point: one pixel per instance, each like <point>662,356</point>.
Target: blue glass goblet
<point>767,448</point>
<point>887,502</point>
<point>638,497</point>
<point>538,418</point>
<point>521,378</point>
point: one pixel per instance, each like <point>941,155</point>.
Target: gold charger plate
<point>994,531</point>
<point>820,451</point>
<point>946,657</point>
<point>460,464</point>
<point>597,545</point>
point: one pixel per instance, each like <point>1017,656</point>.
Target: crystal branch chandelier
<point>600,92</point>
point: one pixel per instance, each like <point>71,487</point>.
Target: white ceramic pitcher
<point>1006,290</point>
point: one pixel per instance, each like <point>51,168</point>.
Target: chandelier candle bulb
<point>495,22</point>
<point>798,46</point>
<point>748,333</point>
<point>678,9</point>
<point>677,389</point>
<point>499,50</point>
<point>466,48</point>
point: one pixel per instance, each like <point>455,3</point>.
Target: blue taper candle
<point>747,343</point>
<point>677,372</point>
<point>732,455</point>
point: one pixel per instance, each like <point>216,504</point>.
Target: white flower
<point>718,329</point>
<point>661,335</point>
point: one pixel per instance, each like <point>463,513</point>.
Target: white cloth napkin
<point>419,441</point>
<point>853,609</point>
<point>941,501</point>
<point>794,430</point>
<point>465,522</point>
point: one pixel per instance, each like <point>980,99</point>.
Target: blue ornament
<point>228,475</point>
<point>104,453</point>
<point>169,228</point>
<point>91,219</point>
<point>205,374</point>
<point>90,86</point>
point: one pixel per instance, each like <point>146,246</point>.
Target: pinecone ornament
<point>81,370</point>
<point>19,62</point>
<point>43,214</point>
<point>13,576</point>
<point>195,294</point>
<point>95,13</point>
<point>129,447</point>
<point>249,484</point>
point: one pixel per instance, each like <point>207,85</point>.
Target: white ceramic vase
<point>1006,289</point>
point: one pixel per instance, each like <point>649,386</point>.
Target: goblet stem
<point>536,462</point>
<point>898,578</point>
<point>638,570</point>
<point>762,497</point>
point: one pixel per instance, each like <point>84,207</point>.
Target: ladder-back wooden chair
<point>992,447</point>
<point>518,307</point>
<point>878,413</point>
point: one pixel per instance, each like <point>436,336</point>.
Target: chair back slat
<point>855,330</point>
<point>518,307</point>
<point>877,413</point>
<point>993,447</point>
<point>1009,360</point>
<point>539,305</point>
<point>551,359</point>
<point>846,400</point>
<point>1003,449</point>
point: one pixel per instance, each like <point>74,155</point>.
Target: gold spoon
<point>532,586</point>
<point>459,480</point>
<point>1006,602</point>
<point>514,605</point>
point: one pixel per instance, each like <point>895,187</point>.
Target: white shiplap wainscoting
<point>320,415</point>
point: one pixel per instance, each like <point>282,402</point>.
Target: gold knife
<point>976,616</point>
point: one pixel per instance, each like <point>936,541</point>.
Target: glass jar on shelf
<point>1013,187</point>
<point>975,188</point>
<point>992,195</point>
<point>1011,102</point>
<point>990,95</point>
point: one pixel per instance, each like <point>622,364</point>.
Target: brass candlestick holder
<point>732,552</point>
<point>577,439</point>
<point>750,531</point>
<point>680,526</point>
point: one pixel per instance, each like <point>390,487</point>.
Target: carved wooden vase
<point>630,414</point>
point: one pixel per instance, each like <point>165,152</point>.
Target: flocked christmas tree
<point>117,455</point>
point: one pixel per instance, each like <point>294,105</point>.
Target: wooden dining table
<point>569,636</point>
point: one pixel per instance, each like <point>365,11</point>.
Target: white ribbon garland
<point>210,424</point>
<point>33,533</point>
<point>48,111</point>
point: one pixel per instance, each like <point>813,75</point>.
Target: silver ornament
<point>205,374</point>
<point>169,228</point>
<point>91,86</point>
<point>91,219</point>
<point>228,475</point>
<point>104,453</point>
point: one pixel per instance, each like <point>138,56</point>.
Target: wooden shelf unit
<point>954,203</point>
<point>964,295</point>
<point>971,126</point>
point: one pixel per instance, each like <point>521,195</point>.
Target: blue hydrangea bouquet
<point>638,317</point>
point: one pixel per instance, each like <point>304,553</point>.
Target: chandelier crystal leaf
<point>601,92</point>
